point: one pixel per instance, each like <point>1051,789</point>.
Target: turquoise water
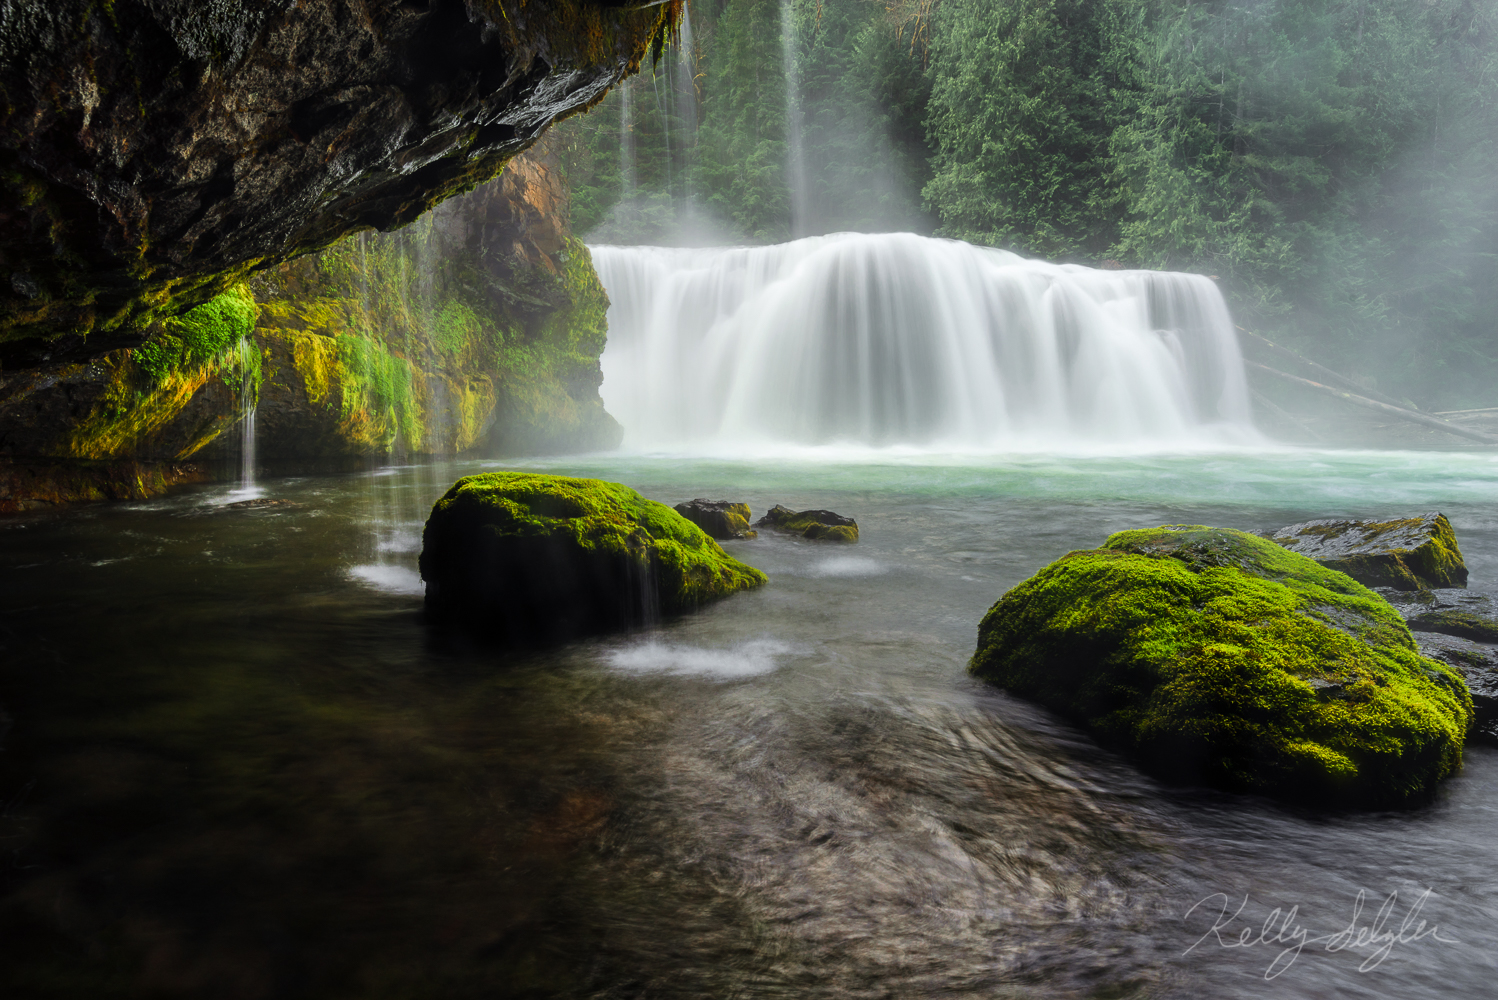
<point>239,765</point>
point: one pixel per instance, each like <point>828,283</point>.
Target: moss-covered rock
<point>719,518</point>
<point>1406,553</point>
<point>477,329</point>
<point>819,525</point>
<point>1478,628</point>
<point>525,556</point>
<point>1218,657</point>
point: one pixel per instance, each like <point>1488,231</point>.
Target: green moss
<point>201,335</point>
<point>1411,553</point>
<point>817,525</point>
<point>1219,657</point>
<point>373,379</point>
<point>529,554</point>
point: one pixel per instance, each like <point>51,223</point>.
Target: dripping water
<point>795,143</point>
<point>684,95</point>
<point>248,400</point>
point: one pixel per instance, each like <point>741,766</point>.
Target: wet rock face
<point>1411,553</point>
<point>1460,629</point>
<point>154,151</point>
<point>818,525</point>
<point>719,518</point>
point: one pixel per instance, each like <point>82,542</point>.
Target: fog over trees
<point>1330,162</point>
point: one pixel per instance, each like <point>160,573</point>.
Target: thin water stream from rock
<point>240,766</point>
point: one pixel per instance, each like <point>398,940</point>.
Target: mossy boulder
<point>719,518</point>
<point>1217,657</point>
<point>525,556</point>
<point>1406,553</point>
<point>820,525</point>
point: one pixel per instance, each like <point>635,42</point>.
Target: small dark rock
<point>719,518</point>
<point>815,524</point>
<point>1409,553</point>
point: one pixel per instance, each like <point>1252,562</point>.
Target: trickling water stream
<point>795,138</point>
<point>900,339</point>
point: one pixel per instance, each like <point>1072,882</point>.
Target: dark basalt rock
<point>525,557</point>
<point>1410,553</point>
<point>721,519</point>
<point>1461,629</point>
<point>153,152</point>
<point>1217,657</point>
<point>821,525</point>
<point>1464,624</point>
<point>1478,665</point>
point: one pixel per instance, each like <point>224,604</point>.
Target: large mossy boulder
<point>523,556</point>
<point>1218,657</point>
<point>1406,553</point>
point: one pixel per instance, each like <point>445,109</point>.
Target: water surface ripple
<point>237,764</point>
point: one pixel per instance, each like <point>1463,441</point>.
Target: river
<point>239,765</point>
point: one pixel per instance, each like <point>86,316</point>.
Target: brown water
<point>239,766</point>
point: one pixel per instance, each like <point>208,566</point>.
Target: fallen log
<point>1413,416</point>
<point>1322,370</point>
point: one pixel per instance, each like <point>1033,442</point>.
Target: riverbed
<point>239,765</point>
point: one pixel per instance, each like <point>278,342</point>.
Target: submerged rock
<point>815,524</point>
<point>1410,553</point>
<point>719,518</point>
<point>524,556</point>
<point>1216,656</point>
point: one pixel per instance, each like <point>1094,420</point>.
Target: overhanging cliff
<point>155,152</point>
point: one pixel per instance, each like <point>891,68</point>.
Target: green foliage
<point>376,380</point>
<point>1018,111</point>
<point>1331,161</point>
<point>711,150</point>
<point>209,332</point>
<point>1216,656</point>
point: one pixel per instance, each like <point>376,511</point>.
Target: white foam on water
<point>389,579</point>
<point>748,659</point>
<point>844,566</point>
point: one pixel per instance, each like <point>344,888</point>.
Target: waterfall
<point>900,339</point>
<point>795,167</point>
<point>247,403</point>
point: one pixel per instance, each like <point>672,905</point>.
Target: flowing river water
<point>237,764</point>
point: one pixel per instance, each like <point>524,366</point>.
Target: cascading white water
<point>900,339</point>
